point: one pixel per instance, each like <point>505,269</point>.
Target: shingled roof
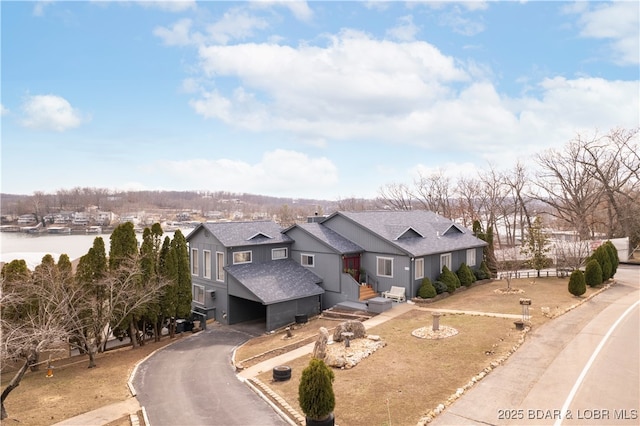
<point>330,238</point>
<point>234,234</point>
<point>277,281</point>
<point>417,232</point>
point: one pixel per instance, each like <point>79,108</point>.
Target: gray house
<point>242,271</point>
<point>382,249</point>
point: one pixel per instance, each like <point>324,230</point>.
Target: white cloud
<point>3,110</point>
<point>299,8</point>
<point>178,34</point>
<point>615,21</point>
<point>359,88</point>
<point>39,7</point>
<point>169,5</point>
<point>235,24</point>
<point>280,172</point>
<point>50,112</point>
<point>406,30</point>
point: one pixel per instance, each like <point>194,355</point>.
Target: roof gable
<point>409,233</point>
<point>235,234</point>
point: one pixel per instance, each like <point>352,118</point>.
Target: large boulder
<point>351,326</point>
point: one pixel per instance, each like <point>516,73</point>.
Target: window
<point>194,262</point>
<point>198,294</point>
<point>206,264</point>
<point>419,269</point>
<point>445,260</point>
<point>385,267</point>
<point>279,253</point>
<point>471,257</point>
<point>241,257</point>
<point>219,266</point>
<point>307,260</point>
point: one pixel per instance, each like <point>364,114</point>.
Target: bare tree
<point>468,195</point>
<point>396,196</point>
<point>568,187</point>
<point>570,255</point>
<point>494,192</point>
<point>613,161</point>
<point>433,192</point>
<point>34,318</point>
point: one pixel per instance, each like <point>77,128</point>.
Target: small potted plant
<point>315,394</point>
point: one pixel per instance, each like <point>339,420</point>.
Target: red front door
<point>351,265</point>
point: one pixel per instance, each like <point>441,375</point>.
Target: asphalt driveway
<point>192,382</point>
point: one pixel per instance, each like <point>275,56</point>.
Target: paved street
<point>584,363</point>
<point>192,382</point>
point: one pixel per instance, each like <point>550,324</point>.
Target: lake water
<point>32,248</point>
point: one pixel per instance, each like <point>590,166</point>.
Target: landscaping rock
<point>351,326</point>
<point>320,348</point>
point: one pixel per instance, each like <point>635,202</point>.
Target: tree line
<point>125,293</point>
<point>590,186</point>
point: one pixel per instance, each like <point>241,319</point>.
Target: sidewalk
<point>255,370</point>
<point>106,414</point>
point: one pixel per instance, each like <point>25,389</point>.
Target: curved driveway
<point>192,382</point>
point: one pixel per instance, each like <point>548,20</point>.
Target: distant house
<point>242,271</point>
<point>245,271</point>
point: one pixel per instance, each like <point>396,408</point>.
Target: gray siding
<point>283,314</point>
<point>364,238</point>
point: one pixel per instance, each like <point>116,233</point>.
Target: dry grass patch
<point>270,345</point>
<point>403,381</point>
<point>543,292</point>
<point>74,389</point>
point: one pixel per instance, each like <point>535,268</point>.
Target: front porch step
<point>366,292</point>
<point>348,311</point>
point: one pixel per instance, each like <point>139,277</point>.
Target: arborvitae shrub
<point>449,278</point>
<point>612,251</point>
<point>593,273</point>
<point>440,287</point>
<point>315,391</point>
<point>465,275</point>
<point>606,270</point>
<point>485,270</point>
<point>577,284</point>
<point>426,290</point>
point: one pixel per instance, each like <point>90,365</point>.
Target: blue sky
<point>303,99</point>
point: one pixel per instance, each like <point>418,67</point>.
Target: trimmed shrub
<point>593,273</point>
<point>606,270</point>
<point>440,287</point>
<point>426,290</point>
<point>486,273</point>
<point>577,284</point>
<point>449,278</point>
<point>465,275</point>
<point>612,251</point>
<point>315,391</point>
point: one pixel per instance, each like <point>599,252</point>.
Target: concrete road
<point>579,369</point>
<point>192,382</point>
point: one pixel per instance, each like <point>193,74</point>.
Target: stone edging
<point>496,363</point>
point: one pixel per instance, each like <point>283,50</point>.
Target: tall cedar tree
<point>315,391</point>
<point>124,246</point>
<point>150,258</point>
<point>90,275</point>
<point>179,274</point>
<point>536,247</point>
<point>488,251</point>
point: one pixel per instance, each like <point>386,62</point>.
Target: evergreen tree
<point>315,391</point>
<point>577,284</point>
<point>124,244</point>
<point>450,279</point>
<point>151,276</point>
<point>175,266</point>
<point>426,290</point>
<point>488,251</point>
<point>465,275</point>
<point>536,247</point>
<point>612,251</point>
<point>593,273</point>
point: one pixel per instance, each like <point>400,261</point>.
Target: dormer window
<point>259,235</point>
<point>410,233</point>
